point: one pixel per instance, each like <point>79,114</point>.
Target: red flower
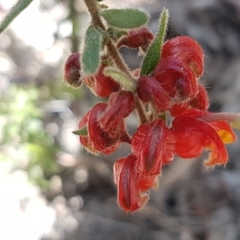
<point>193,135</point>
<point>154,146</point>
<point>186,50</point>
<point>97,141</point>
<point>172,87</point>
<point>130,198</point>
<point>101,139</point>
<point>136,38</point>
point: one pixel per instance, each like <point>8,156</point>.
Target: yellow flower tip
<point>227,137</point>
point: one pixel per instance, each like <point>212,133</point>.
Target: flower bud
<point>72,69</point>
<point>136,38</point>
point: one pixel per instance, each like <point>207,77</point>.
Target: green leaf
<point>14,12</point>
<point>125,18</point>
<point>81,132</point>
<point>91,51</point>
<point>127,83</point>
<point>154,52</point>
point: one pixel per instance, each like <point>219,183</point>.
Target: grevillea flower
<point>172,105</point>
<point>97,140</point>
<point>193,135</point>
<point>187,50</point>
<point>130,198</point>
<point>154,145</point>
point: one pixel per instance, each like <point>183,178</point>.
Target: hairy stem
<point>96,20</point>
<point>113,52</point>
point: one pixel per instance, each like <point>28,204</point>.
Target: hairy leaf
<point>154,52</point>
<point>91,51</point>
<point>125,18</point>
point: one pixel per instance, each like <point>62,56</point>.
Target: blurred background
<point>50,188</point>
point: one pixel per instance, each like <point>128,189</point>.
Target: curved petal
<point>200,101</point>
<point>222,127</point>
<point>194,135</point>
<point>176,78</point>
<point>187,50</point>
<point>154,146</point>
<point>130,198</point>
<point>140,37</point>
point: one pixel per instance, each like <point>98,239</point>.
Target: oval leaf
<point>91,51</point>
<point>125,18</point>
<point>154,52</point>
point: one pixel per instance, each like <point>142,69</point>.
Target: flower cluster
<point>175,105</point>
